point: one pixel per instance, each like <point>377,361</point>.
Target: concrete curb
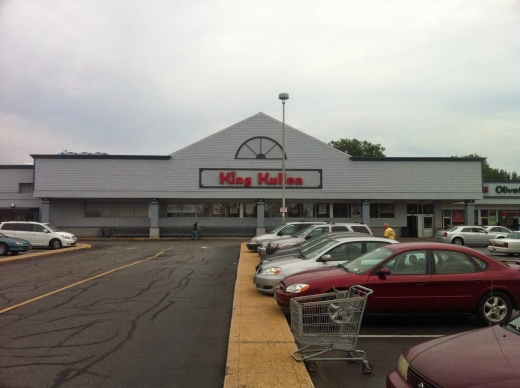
<point>26,255</point>
<point>260,341</point>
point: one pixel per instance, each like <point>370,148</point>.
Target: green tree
<point>354,147</point>
<point>489,172</point>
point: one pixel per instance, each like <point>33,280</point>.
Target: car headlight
<point>271,271</point>
<point>263,245</point>
<point>66,237</point>
<point>19,243</point>
<point>297,288</point>
<point>254,240</point>
<point>275,245</point>
<point>402,367</point>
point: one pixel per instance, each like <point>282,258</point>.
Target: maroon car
<point>419,278</point>
<point>485,358</point>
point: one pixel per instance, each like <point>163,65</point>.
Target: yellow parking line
<point>80,282</point>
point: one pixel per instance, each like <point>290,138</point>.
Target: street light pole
<point>283,97</point>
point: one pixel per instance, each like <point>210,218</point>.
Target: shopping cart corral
<point>329,323</point>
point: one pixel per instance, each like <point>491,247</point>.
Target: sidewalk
<point>260,340</point>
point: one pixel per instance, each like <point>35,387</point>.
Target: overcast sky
<point>422,78</point>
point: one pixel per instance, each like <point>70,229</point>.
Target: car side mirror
<point>325,258</point>
<point>384,271</point>
<point>280,233</point>
<point>308,237</point>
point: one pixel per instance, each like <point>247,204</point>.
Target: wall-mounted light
<point>12,205</point>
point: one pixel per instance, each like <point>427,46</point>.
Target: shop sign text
<point>263,178</point>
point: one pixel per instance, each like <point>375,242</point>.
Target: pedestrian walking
<point>389,232</point>
<point>195,233</point>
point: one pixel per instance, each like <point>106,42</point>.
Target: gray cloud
<point>422,78</point>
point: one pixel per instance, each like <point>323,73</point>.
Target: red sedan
<point>419,278</point>
<point>484,358</point>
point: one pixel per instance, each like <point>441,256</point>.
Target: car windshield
<point>315,250</point>
<point>303,233</point>
<point>367,261</point>
<point>514,235</point>
<point>52,227</point>
<point>274,231</point>
<point>313,241</point>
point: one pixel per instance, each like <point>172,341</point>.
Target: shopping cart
<point>329,322</point>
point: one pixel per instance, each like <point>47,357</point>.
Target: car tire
<point>4,249</point>
<point>457,241</point>
<point>55,244</point>
<point>494,308</point>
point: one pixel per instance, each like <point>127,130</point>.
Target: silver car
<point>310,232</point>
<point>329,253</point>
<point>467,235</point>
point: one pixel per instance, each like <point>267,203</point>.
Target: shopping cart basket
<point>329,322</point>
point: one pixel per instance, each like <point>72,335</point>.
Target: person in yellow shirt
<point>389,232</point>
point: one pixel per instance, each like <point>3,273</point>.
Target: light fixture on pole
<point>283,97</point>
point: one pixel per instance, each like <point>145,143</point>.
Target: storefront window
<point>186,210</point>
<point>233,209</point>
<point>272,209</point>
<point>452,217</point>
<point>116,209</point>
<point>427,208</point>
<point>381,210</point>
<point>308,210</point>
<point>250,209</point>
<point>341,210</point>
<point>322,210</point>
<point>294,210</point>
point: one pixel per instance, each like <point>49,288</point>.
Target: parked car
<point>510,245</point>
<point>467,235</point>
<point>310,232</point>
<point>419,278</point>
<point>484,358</point>
<point>307,245</point>
<point>13,245</point>
<point>496,229</point>
<point>286,229</point>
<point>328,253</point>
<point>38,234</point>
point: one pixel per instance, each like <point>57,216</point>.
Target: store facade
<point>233,179</point>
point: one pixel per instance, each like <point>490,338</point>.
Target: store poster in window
<point>307,210</point>
<point>322,209</point>
<point>250,208</point>
<point>216,208</point>
<point>174,208</point>
<point>356,210</point>
<point>233,208</point>
<point>457,217</point>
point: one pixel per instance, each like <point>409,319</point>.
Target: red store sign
<point>221,178</point>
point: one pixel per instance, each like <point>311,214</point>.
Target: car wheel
<point>55,244</point>
<point>494,308</point>
<point>457,241</point>
<point>4,249</point>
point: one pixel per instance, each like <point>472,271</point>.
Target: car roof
<point>361,236</point>
<point>431,245</point>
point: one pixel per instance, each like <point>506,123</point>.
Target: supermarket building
<point>231,182</point>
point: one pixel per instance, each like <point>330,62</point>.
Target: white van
<point>38,234</point>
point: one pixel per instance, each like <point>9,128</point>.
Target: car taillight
<point>445,234</point>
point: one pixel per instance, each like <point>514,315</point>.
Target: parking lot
<point>157,314</point>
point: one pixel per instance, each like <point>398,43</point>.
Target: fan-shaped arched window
<point>260,147</point>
